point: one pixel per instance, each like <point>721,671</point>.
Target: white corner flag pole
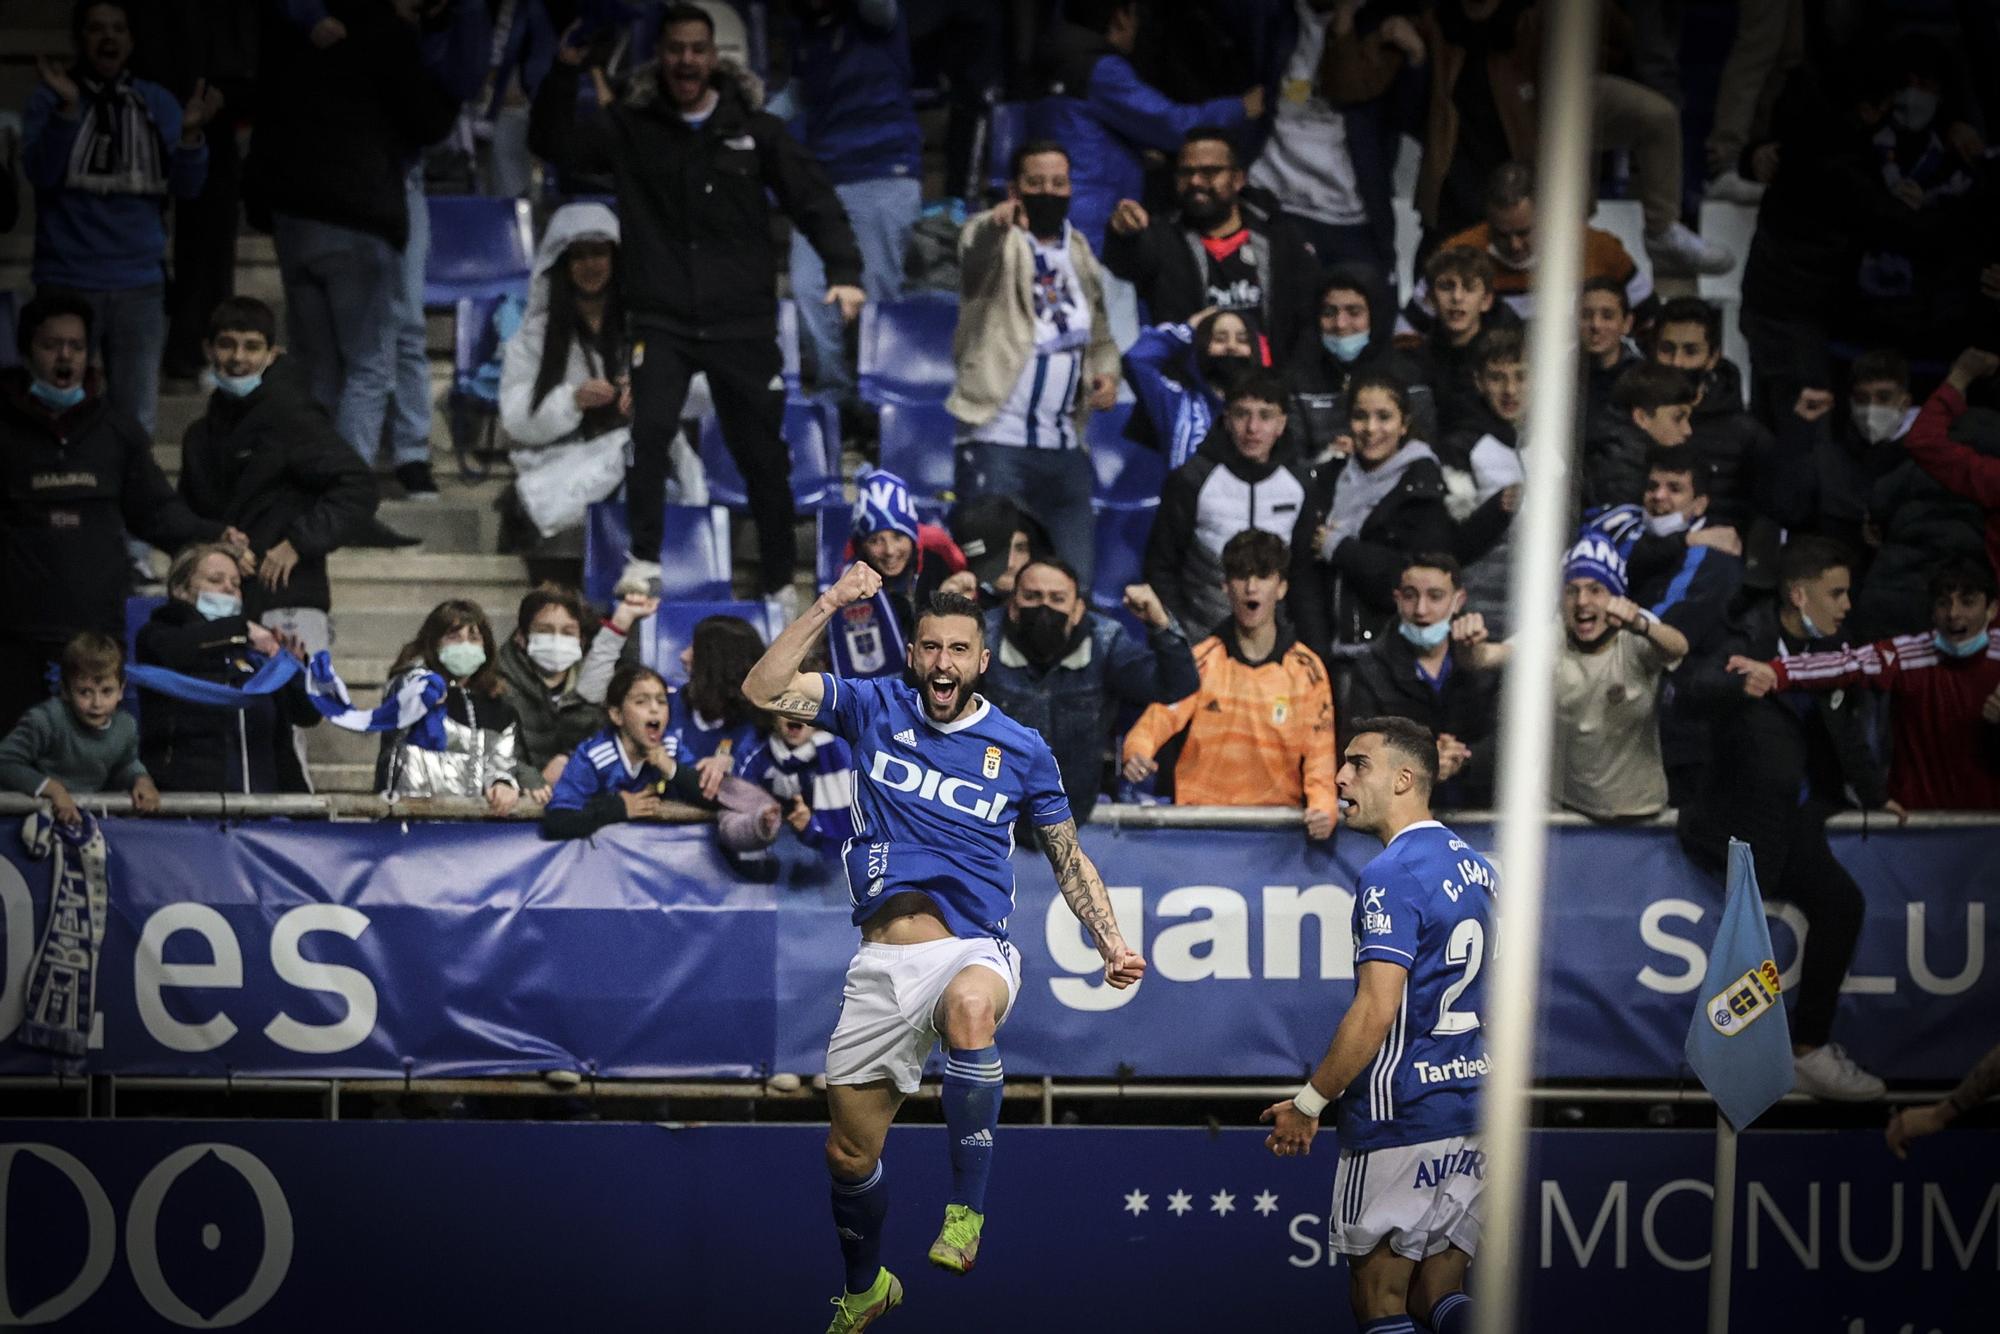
<point>1722,1226</point>
<point>1563,200</point>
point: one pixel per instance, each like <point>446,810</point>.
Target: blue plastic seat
<point>1006,131</point>
<point>905,351</point>
<point>812,433</point>
<point>694,551</point>
<point>663,636</point>
<point>1127,473</point>
<point>479,247</point>
<point>917,444</point>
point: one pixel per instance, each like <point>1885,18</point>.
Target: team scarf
<point>62,985</point>
<point>413,703</point>
<point>117,149</point>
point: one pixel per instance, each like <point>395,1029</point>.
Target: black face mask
<point>1043,633</point>
<point>1222,373</point>
<point>1046,214</point>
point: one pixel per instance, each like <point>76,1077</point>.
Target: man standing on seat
<point>693,157</point>
<point>1406,1210</point>
<point>941,777</point>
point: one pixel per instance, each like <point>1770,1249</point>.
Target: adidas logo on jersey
<point>901,775</point>
<point>979,1139</point>
<point>908,736</point>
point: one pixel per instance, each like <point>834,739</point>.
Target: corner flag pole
<point>1722,1227</point>
<point>1563,200</point>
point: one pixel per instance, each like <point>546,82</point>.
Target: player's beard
<point>960,701</point>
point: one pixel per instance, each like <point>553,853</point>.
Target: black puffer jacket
<point>196,748</point>
<point>1318,379</point>
<point>1735,445</point>
<point>697,259</point>
<point>272,465</point>
<point>1383,683</point>
<point>71,488</point>
<point>1341,606</point>
<point>1921,524</point>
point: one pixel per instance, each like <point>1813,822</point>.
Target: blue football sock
<point>1452,1314</point>
<point>972,1082</point>
<point>858,1210</point>
<point>1389,1324</point>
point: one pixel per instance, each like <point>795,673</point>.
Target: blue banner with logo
<point>438,949</point>
<point>423,1226</point>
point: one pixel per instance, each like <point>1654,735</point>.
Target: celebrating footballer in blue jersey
<point>1409,1058</point>
<point>941,776</point>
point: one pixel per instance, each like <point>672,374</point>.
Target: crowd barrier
<point>429,949</point>
<point>422,1226</point>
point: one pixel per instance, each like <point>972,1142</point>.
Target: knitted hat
<point>1595,557</point>
<point>882,501</point>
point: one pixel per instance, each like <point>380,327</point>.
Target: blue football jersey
<point>935,804</point>
<point>1426,903</point>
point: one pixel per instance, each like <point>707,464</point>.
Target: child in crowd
<point>811,773</point>
<point>1651,406</point>
<point>469,751</point>
<point>1604,332</point>
<point>1461,289</point>
<point>1482,470</point>
<point>81,741</point>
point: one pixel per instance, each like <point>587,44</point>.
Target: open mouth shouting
<point>941,694</point>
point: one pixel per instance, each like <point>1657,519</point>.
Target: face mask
<point>1046,214</point>
<point>1043,633</point>
<point>554,653</point>
<point>1812,631</point>
<point>56,400</point>
<point>215,606</point>
<point>462,659</point>
<point>238,386</point>
<point>1222,373</point>
<point>1877,422</point>
<point>1666,525</point>
<point>1425,636</point>
<point>1914,107</point>
<point>1344,347</point>
<point>1964,648</point>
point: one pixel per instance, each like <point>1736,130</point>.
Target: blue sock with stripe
<point>1389,1324</point>
<point>858,1210</point>
<point>972,1082</point>
<point>1452,1314</point>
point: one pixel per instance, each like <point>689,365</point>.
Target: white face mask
<point>1877,422</point>
<point>1666,525</point>
<point>554,653</point>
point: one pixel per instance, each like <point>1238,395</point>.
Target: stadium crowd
<point>1220,479</point>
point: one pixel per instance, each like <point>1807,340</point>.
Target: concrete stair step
<point>338,746</point>
<point>343,777</point>
<point>357,565</point>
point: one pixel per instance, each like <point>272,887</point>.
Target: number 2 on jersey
<point>1466,946</point>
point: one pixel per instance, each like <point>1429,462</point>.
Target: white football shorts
<point>1420,1198</point>
<point>888,1011</point>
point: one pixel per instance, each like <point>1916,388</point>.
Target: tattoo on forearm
<point>803,707</point>
<point>1082,888</point>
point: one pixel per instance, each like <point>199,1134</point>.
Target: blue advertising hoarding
<point>438,949</point>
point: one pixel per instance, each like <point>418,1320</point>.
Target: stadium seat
<point>917,445</point>
<point>10,355</point>
<point>473,407</point>
<point>1006,130</point>
<point>694,551</point>
<point>832,524</point>
<point>812,432</point>
<point>1122,531</point>
<point>663,636</point>
<point>905,353</point>
<point>1128,473</point>
<point>788,345</point>
<point>479,247</point>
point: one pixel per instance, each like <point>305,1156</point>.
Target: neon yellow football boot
<point>858,1310</point>
<point>957,1245</point>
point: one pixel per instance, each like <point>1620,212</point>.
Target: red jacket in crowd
<point>1957,466</point>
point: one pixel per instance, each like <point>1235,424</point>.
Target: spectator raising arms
<point>479,733</point>
<point>1235,484</point>
<point>81,741</point>
<point>1365,515</point>
<point>1967,471</point>
<point>1183,372</point>
<point>1260,728</point>
<point>76,475</point>
<point>539,669</point>
<point>265,459</point>
<point>202,632</point>
<point>1066,671</point>
<point>1033,353</point>
<point>104,152</point>
<point>694,158</point>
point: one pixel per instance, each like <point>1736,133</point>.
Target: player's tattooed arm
<point>1083,889</point>
<point>776,683</point>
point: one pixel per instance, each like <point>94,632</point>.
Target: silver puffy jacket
<point>474,757</point>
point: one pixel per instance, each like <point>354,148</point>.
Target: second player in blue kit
<point>1407,1064</point>
<point>941,778</point>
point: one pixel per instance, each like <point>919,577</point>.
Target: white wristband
<point>1309,1100</point>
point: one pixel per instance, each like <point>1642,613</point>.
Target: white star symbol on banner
<point>1179,1203</point>
<point>1266,1204</point>
<point>1135,1202</point>
<point>1221,1202</point>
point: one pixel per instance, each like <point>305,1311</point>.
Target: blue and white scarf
<point>413,703</point>
<point>62,982</point>
<point>118,148</point>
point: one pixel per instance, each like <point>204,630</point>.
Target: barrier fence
<point>323,948</point>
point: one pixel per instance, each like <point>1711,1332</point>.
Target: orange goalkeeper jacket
<point>1258,734</point>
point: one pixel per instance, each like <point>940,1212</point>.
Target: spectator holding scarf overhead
<point>1183,372</point>
<point>457,734</point>
<point>202,632</point>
